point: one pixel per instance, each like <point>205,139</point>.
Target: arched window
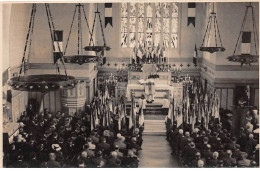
<point>151,24</point>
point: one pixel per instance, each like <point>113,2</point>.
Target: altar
<point>163,86</point>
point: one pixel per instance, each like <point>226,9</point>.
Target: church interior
<point>127,85</point>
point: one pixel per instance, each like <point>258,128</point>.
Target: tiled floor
<point>156,153</point>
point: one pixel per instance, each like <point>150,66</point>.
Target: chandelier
<point>44,82</point>
<point>218,46</point>
<point>79,57</point>
<point>92,46</point>
<point>246,57</point>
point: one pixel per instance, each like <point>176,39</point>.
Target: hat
<point>56,147</point>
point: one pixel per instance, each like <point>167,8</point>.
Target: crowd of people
<point>50,140</point>
<point>216,146</point>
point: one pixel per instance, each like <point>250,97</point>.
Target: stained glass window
<point>153,23</point>
<point>141,10</point>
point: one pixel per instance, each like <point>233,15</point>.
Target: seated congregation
<point>217,146</point>
<point>58,140</point>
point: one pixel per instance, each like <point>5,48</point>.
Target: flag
<point>179,117</point>
<point>193,118</point>
<point>58,45</point>
<point>9,96</point>
<point>191,13</point>
<point>92,120</point>
<point>139,51</point>
<point>96,119</point>
<point>41,106</point>
<point>246,42</point>
<point>248,91</point>
<point>141,117</point>
<point>108,14</point>
<point>135,50</point>
<point>195,56</point>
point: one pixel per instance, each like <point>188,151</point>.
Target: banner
<point>108,14</point>
<point>191,13</point>
<point>58,45</point>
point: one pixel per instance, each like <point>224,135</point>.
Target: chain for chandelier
<point>246,58</point>
<point>94,47</point>
<point>206,38</point>
<point>44,82</point>
<point>79,58</point>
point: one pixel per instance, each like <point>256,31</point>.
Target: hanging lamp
<point>92,46</point>
<point>216,48</point>
<point>246,57</point>
<point>79,58</point>
<point>45,82</point>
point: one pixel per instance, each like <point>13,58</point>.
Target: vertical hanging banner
<point>246,43</point>
<point>108,14</point>
<point>191,13</point>
<point>195,56</point>
<point>58,44</point>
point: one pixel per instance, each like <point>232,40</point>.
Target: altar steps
<point>154,127</point>
<point>151,108</point>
